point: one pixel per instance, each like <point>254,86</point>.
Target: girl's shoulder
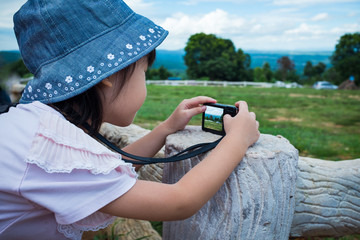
<point>60,146</point>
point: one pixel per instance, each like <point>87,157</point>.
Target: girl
<point>89,60</point>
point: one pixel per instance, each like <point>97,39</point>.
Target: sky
<point>264,25</point>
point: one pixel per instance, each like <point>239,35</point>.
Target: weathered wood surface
<point>256,202</point>
<point>327,198</point>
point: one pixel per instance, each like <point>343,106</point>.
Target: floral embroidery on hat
<point>110,56</point>
<point>68,79</point>
<point>48,86</point>
<point>90,69</point>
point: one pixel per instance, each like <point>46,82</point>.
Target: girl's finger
<point>196,101</point>
<point>242,106</point>
<point>195,111</point>
<point>253,115</point>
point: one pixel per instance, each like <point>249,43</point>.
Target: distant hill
<point>174,61</point>
<point>258,58</point>
<point>9,57</point>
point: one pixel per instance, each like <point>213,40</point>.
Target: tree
<point>346,58</point>
<point>333,76</point>
<point>215,58</point>
<point>319,69</point>
<point>158,74</point>
<point>19,68</point>
<point>286,65</point>
<point>309,70</point>
<point>258,74</point>
<point>242,66</point>
<point>268,74</point>
<point>314,73</point>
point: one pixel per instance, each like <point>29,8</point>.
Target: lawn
<point>319,123</point>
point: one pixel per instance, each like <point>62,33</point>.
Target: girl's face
<point>120,110</point>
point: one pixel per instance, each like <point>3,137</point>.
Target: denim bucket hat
<point>71,45</point>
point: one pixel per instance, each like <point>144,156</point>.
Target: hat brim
<point>93,61</point>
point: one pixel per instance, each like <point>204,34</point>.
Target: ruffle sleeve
<point>61,147</point>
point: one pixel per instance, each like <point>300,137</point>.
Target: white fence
<point>223,83</point>
<point>211,83</point>
<point>208,83</point>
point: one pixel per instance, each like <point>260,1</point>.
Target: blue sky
<point>290,25</point>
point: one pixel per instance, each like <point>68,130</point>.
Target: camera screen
<point>213,118</point>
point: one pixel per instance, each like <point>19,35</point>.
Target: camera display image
<point>213,118</point>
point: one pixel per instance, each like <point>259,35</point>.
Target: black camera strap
<point>185,154</point>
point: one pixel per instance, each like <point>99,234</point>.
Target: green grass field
<point>319,123</point>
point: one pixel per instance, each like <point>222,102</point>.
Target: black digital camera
<point>212,118</point>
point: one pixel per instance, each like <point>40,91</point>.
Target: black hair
<point>87,107</point>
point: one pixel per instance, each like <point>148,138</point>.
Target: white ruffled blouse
<point>66,176</point>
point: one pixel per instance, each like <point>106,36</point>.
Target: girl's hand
<point>243,127</point>
<point>185,111</point>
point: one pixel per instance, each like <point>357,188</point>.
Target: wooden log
<point>327,198</point>
<point>257,200</point>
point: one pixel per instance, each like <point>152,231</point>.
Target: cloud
<point>286,31</point>
<point>195,2</point>
<point>219,22</point>
<point>139,6</point>
<point>320,17</point>
<point>345,28</point>
<point>261,31</point>
<point>7,11</point>
<point>309,2</point>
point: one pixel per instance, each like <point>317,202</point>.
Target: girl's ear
<point>106,82</point>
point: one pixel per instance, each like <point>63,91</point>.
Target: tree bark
<point>327,198</point>
<point>256,202</point>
